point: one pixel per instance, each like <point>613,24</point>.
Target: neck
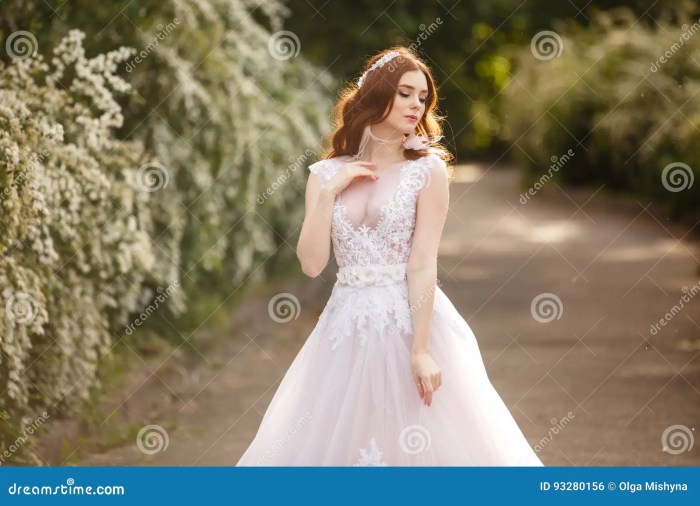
<point>386,143</point>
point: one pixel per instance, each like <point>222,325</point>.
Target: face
<point>409,102</point>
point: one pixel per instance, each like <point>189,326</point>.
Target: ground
<point>594,386</point>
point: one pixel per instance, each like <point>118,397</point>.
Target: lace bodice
<point>373,221</point>
<point>372,231</point>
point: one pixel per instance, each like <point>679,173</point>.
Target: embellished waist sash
<point>371,275</point>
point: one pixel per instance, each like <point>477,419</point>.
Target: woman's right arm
<point>314,246</point>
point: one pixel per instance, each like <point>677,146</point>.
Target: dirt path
<point>591,387</point>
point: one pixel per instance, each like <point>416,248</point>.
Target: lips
<point>412,118</point>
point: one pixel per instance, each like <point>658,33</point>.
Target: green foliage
<point>469,49</point>
<point>622,96</point>
<point>167,164</point>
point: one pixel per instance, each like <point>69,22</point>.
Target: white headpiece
<point>379,63</point>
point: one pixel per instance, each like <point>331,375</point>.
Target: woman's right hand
<point>348,172</point>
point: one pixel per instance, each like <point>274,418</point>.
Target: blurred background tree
<point>471,52</point>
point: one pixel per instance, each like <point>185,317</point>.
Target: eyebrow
<point>409,86</point>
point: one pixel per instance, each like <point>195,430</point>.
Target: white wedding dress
<point>349,397</point>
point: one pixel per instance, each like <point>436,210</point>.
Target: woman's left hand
<point>426,375</point>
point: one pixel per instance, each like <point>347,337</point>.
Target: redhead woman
<point>392,374</point>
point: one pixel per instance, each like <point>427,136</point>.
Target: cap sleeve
<point>434,171</point>
<point>437,164</point>
<point>324,170</point>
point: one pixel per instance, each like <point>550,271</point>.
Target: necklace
<point>383,141</point>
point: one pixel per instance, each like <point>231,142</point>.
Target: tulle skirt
<point>353,401</point>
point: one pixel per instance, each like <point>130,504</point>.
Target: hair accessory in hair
<point>379,63</point>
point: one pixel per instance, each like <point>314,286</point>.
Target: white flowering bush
<point>235,101</point>
<point>76,230</point>
<point>175,160</point>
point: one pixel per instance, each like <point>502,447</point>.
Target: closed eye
<point>406,95</point>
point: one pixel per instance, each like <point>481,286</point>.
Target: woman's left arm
<point>431,213</point>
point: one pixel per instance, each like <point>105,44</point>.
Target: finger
<point>419,386</point>
<point>437,381</point>
<point>429,389</point>
<point>366,173</point>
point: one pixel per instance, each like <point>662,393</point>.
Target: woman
<point>391,374</point>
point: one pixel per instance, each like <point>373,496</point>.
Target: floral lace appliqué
<point>356,310</point>
<point>371,456</point>
<point>389,242</point>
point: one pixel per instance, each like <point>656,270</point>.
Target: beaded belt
<point>371,275</point>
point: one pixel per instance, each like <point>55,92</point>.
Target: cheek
<point>402,104</point>
<point>391,108</point>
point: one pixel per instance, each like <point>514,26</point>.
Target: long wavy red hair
<point>370,104</point>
